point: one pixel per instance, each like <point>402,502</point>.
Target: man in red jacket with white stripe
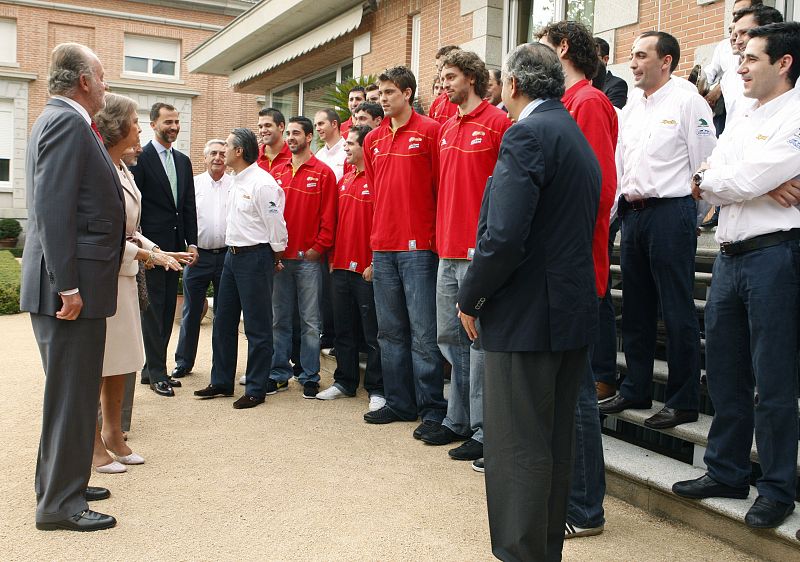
<point>401,159</point>
<point>310,215</point>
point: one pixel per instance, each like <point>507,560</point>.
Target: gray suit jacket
<point>76,216</point>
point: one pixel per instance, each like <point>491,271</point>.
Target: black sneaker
<point>310,390</point>
<point>469,450</point>
<point>477,465</point>
<point>273,387</point>
<point>212,391</point>
<point>442,435</point>
<point>425,427</point>
<point>247,401</point>
<point>381,416</point>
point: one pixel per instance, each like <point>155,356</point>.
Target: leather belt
<point>758,242</point>
<point>641,204</point>
<point>242,249</point>
<point>214,250</point>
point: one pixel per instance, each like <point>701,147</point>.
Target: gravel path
<point>292,479</point>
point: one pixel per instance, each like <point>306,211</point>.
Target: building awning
<point>325,33</point>
<point>271,33</point>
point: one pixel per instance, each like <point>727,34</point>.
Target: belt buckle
<point>724,248</point>
<point>637,205</point>
<point>233,250</point>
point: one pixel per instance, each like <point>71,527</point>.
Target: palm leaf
<point>336,97</point>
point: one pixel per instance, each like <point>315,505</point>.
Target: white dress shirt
<point>162,150</point>
<point>334,157</point>
<point>722,68</point>
<point>757,154</point>
<point>211,200</point>
<point>255,210</point>
<point>663,139</point>
<point>528,109</point>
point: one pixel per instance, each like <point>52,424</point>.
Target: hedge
<point>10,271</point>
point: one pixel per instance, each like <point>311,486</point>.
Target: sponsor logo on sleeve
<point>703,130</point>
<point>794,140</point>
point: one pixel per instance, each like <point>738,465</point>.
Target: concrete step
<point>616,295</point>
<point>644,479</point>
<point>700,277</point>
<point>660,367</point>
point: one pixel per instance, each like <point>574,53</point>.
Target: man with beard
<point>169,218</point>
<point>310,214</point>
<point>355,97</point>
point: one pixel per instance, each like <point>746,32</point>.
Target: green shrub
<point>9,283</point>
<point>337,96</point>
<point>10,228</point>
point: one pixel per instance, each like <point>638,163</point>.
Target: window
<point>287,100</point>
<point>527,17</point>
<point>305,97</point>
<point>152,56</point>
<point>6,141</point>
<point>8,37</point>
<point>416,27</point>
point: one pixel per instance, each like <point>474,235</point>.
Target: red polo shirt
<point>468,149</point>
<point>597,119</point>
<point>310,211</point>
<point>354,223</point>
<point>281,158</point>
<point>402,167</point>
<point>344,128</point>
<point>442,108</point>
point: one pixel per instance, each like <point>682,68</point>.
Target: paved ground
<point>293,479</point>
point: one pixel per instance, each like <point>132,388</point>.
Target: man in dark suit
<point>613,86</point>
<point>76,228</point>
<point>169,218</point>
<point>531,283</point>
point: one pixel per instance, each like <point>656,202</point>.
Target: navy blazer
<point>616,89</point>
<point>172,227</point>
<point>531,281</point>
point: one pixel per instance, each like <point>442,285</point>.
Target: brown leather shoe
<point>247,401</point>
<point>605,391</point>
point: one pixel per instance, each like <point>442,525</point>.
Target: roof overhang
<point>271,33</point>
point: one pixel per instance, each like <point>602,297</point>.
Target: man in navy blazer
<point>169,218</point>
<point>531,283</point>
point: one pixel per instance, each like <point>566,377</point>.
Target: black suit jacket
<point>616,89</point>
<point>172,227</point>
<point>531,281</point>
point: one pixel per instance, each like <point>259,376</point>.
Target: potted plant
<point>9,232</point>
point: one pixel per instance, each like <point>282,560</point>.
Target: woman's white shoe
<point>113,467</point>
<point>133,458</point>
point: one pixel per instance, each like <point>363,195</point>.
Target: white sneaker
<point>243,380</point>
<point>573,532</point>
<point>330,393</point>
<point>376,402</point>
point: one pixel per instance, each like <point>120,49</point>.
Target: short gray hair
<point>207,147</point>
<point>69,61</point>
<point>114,120</point>
<point>537,71</point>
<point>246,140</point>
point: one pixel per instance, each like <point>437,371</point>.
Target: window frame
<point>12,61</point>
<point>7,185</point>
<point>301,81</point>
<point>150,75</point>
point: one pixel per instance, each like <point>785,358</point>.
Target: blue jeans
<point>465,404</point>
<point>245,288</point>
<point>405,301</point>
<point>751,340</point>
<point>196,279</point>
<point>585,508</point>
<point>658,249</point>
<point>300,282</point>
<point>604,351</point>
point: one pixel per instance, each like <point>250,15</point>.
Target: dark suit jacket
<point>616,89</point>
<point>531,281</point>
<point>171,227</point>
<point>76,216</point>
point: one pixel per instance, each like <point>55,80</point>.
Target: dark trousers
<point>196,279</point>
<point>658,250</point>
<point>326,305</point>
<point>245,288</point>
<point>157,321</point>
<point>72,357</point>
<point>353,299</point>
<point>529,432</point>
<point>751,341</point>
<point>604,350</point>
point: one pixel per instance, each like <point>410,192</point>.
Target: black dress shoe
<point>707,487</point>
<point>174,382</point>
<point>144,381</point>
<point>211,391</point>
<point>180,372</point>
<point>618,404</point>
<point>382,415</point>
<point>469,450</point>
<point>425,427</point>
<point>162,388</point>
<point>247,401</point>
<point>84,521</point>
<point>767,513</point>
<point>442,435</point>
<point>95,493</point>
<point>669,417</point>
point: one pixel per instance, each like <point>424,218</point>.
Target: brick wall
<point>214,111</point>
<point>693,25</point>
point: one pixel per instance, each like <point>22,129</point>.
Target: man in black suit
<point>169,218</point>
<point>532,284</point>
<point>614,87</point>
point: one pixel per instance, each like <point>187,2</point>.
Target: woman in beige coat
<point>118,124</point>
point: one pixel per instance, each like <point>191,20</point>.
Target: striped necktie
<point>172,175</point>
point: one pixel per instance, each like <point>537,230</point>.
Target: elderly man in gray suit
<point>76,228</point>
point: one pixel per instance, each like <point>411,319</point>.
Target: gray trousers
<point>72,357</point>
<point>529,433</point>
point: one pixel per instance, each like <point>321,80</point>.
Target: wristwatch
<point>698,177</point>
